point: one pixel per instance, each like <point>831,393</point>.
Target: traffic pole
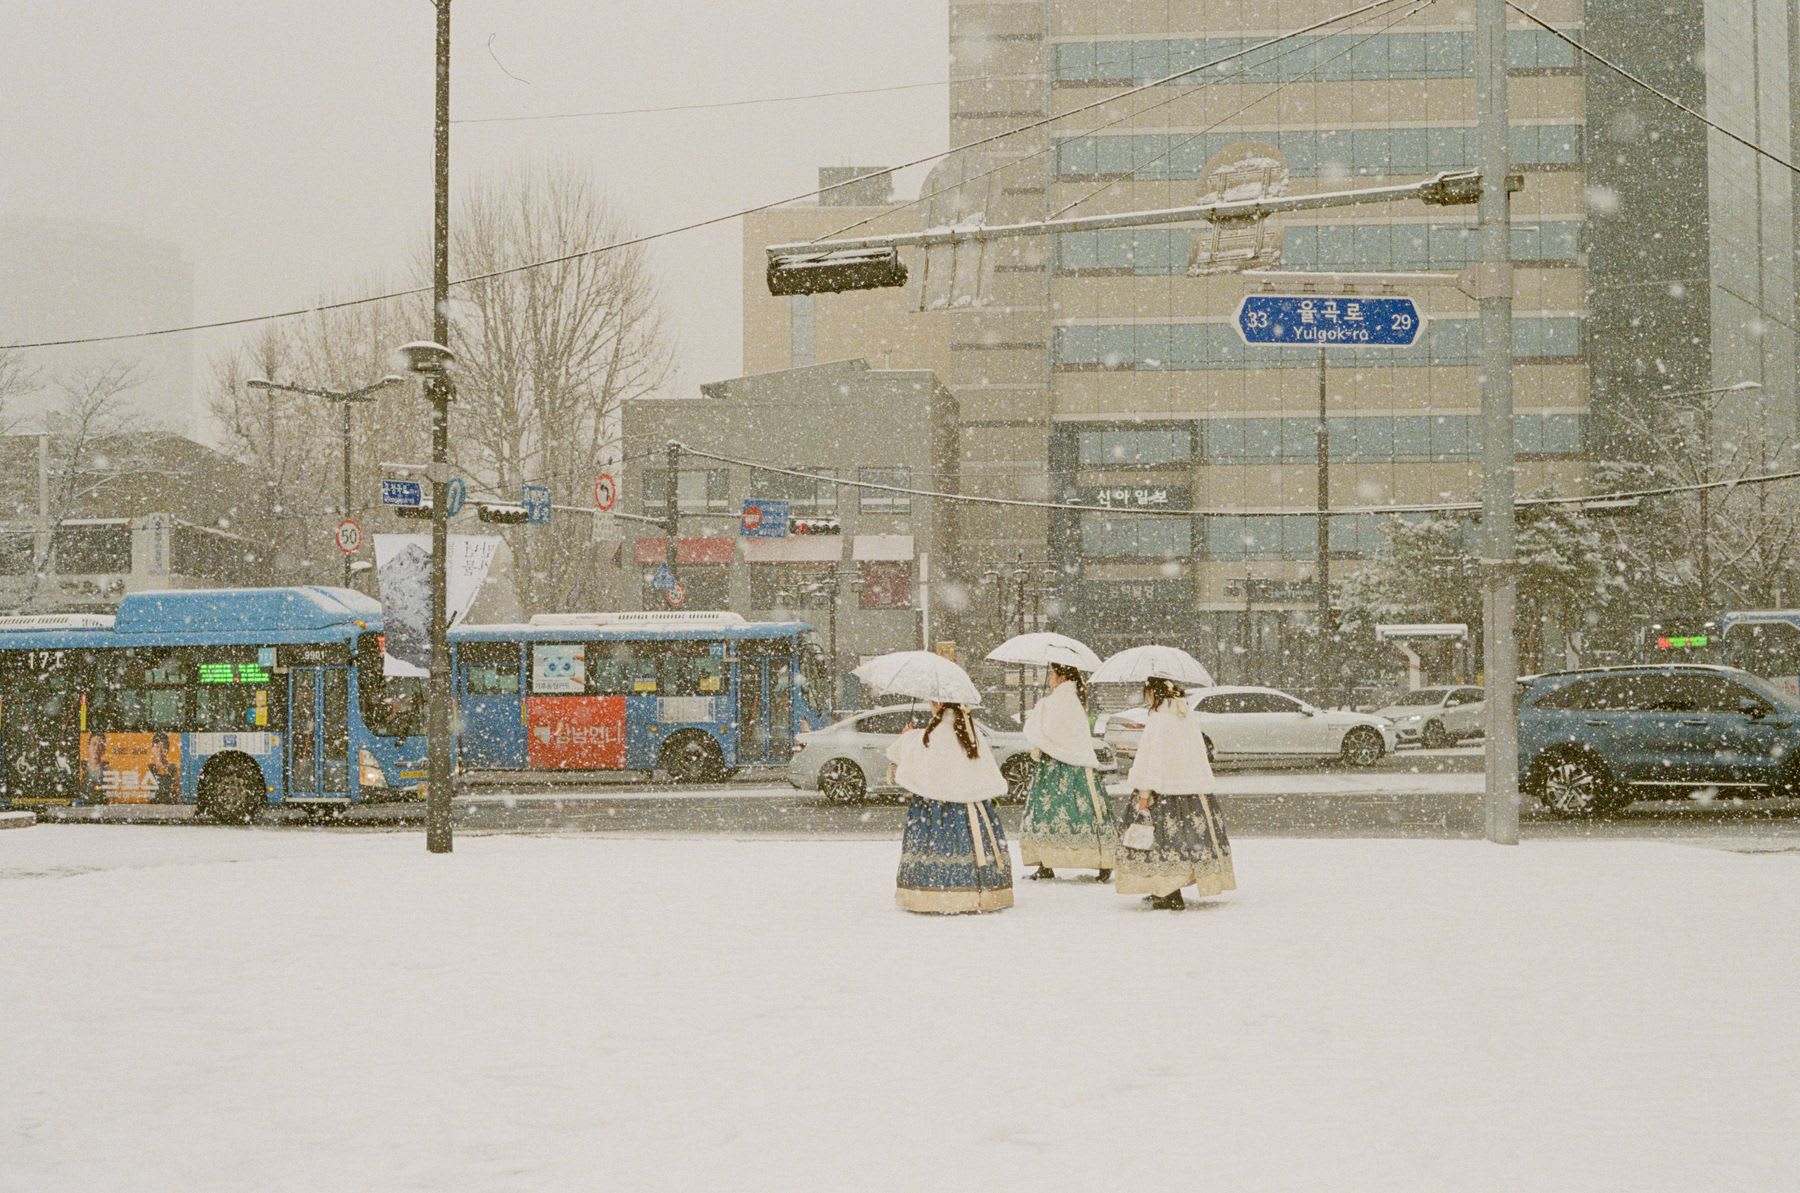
<point>672,508</point>
<point>438,834</point>
<point>1322,547</point>
<point>1494,291</point>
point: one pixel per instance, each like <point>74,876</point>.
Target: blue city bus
<point>696,695</point>
<point>226,699</point>
<point>1765,643</point>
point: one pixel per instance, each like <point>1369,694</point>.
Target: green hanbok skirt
<point>1068,821</point>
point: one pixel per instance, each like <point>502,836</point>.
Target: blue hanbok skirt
<point>953,859</point>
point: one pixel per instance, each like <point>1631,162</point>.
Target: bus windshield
<point>391,705</point>
<point>1767,646</point>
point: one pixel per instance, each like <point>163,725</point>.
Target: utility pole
<point>1322,565</point>
<point>438,835</point>
<point>1494,291</point>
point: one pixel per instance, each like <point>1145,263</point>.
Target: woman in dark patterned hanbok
<point>953,857</point>
<point>1067,820</point>
<point>1170,832</point>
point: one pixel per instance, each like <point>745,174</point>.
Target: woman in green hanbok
<point>1067,820</point>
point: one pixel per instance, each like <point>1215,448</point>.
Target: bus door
<point>781,709</point>
<point>765,704</point>
<point>318,733</point>
<point>490,698</point>
<point>40,726</point>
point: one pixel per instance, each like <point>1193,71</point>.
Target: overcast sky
<point>285,145</point>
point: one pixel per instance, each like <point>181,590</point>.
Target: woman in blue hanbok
<point>1170,833</point>
<point>953,858</point>
<point>1067,820</point>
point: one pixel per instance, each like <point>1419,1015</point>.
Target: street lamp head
<point>426,356</point>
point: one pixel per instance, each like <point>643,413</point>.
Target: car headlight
<point>369,771</point>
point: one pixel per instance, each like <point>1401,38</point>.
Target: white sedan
<point>1244,723</point>
<point>847,760</point>
<point>1437,717</point>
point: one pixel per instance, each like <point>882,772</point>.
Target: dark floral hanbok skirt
<point>1068,821</point>
<point>1190,848</point>
<point>953,859</point>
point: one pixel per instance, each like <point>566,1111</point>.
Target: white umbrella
<point>921,675</point>
<point>1043,649</point>
<point>1144,662</point>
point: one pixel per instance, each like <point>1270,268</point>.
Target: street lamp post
<point>344,399</point>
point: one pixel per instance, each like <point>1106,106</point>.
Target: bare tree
<point>547,357</point>
<point>16,379</point>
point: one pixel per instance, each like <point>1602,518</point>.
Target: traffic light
<point>833,273</point>
<point>815,526</point>
<point>507,513</point>
<point>419,511</point>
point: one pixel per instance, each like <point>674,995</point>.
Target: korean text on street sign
<point>536,500</point>
<point>664,579</point>
<point>403,493</point>
<point>606,491</point>
<point>764,519</point>
<point>1323,321</point>
<point>455,493</point>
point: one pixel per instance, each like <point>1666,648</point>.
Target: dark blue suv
<point>1591,741</point>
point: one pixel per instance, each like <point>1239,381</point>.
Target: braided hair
<point>962,723</point>
<point>1160,691</point>
<point>1064,671</point>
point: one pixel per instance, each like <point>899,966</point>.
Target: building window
<point>1135,536</point>
<point>1155,347</point>
<point>802,331</point>
<point>17,553</point>
<point>886,584</point>
<point>879,501</point>
<point>702,491</point>
<point>804,494</point>
<point>1320,57</point>
<point>1111,448</point>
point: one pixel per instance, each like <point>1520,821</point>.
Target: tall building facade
<point>1105,367</point>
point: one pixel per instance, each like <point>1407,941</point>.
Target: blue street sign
<point>536,500</point>
<point>763,518</point>
<point>1329,321</point>
<point>455,493</point>
<point>664,579</point>
<point>404,493</point>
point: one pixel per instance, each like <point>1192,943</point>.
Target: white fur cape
<point>1171,756</point>
<point>941,771</point>
<point>1058,725</point>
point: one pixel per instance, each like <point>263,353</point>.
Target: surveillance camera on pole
<point>426,357</point>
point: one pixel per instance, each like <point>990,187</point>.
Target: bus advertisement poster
<point>132,768</point>
<point>403,575</point>
<point>575,733</point>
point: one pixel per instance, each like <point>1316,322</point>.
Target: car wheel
<point>1018,771</point>
<point>1362,747</point>
<point>842,781</point>
<point>693,758</point>
<point>1574,785</point>
<point>1435,737</point>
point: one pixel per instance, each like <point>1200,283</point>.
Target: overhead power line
<point>741,103</point>
<point>1658,93</point>
<point>631,242</point>
<point>1446,507</point>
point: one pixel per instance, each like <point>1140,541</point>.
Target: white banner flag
<point>403,574</point>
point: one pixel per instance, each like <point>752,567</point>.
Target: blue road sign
<point>664,579</point>
<point>1329,321</point>
<point>404,493</point>
<point>455,493</point>
<point>764,518</point>
<point>536,500</point>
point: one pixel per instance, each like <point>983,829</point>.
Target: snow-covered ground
<point>238,1010</point>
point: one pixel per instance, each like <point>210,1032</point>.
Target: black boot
<point>1172,902</point>
<point>1103,876</point>
<point>1044,872</point>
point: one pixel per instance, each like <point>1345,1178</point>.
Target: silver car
<point>1248,723</point>
<point>848,760</point>
<point>1436,717</point>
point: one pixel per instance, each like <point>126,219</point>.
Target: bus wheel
<point>231,790</point>
<point>693,758</point>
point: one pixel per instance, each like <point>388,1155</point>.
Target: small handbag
<point>1139,834</point>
